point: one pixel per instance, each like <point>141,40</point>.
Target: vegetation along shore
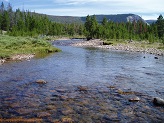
<point>22,48</point>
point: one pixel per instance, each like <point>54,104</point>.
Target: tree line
<point>26,23</point>
<point>137,30</point>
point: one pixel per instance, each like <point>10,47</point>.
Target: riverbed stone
<point>134,99</point>
<point>61,90</point>
<point>125,92</point>
<point>158,101</point>
<point>67,112</point>
<point>23,111</point>
<point>155,57</point>
<point>43,114</point>
<point>82,88</point>
<point>66,120</point>
<point>41,81</point>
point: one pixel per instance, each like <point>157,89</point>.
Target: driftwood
<point>158,101</point>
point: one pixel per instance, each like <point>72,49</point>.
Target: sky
<point>147,9</point>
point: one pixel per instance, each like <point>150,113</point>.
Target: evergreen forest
<point>26,23</point>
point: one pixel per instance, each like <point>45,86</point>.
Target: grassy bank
<point>10,46</point>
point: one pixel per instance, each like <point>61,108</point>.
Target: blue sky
<point>147,9</point>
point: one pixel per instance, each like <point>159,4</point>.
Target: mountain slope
<point>115,18</point>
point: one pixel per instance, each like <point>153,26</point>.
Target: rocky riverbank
<point>19,57</point>
<point>131,47</point>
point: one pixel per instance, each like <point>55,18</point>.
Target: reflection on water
<point>77,66</point>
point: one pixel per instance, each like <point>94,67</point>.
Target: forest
<point>26,23</point>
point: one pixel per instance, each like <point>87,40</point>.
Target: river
<point>73,67</point>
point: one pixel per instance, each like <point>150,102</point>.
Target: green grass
<point>10,45</point>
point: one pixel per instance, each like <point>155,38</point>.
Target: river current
<point>76,66</point>
<point>89,66</point>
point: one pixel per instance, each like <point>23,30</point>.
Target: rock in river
<point>158,101</point>
<point>82,88</point>
<point>134,99</point>
<point>41,81</point>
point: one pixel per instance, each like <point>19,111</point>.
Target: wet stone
<point>67,112</point>
<point>61,90</point>
<point>134,99</point>
<point>15,105</point>
<point>43,114</point>
<point>113,118</point>
<point>41,81</point>
<point>125,92</point>
<point>63,97</point>
<point>23,111</point>
<point>67,120</point>
<point>82,88</point>
<point>158,101</point>
<point>51,107</point>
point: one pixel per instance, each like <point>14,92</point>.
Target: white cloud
<point>144,8</point>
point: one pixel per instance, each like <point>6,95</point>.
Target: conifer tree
<point>160,26</point>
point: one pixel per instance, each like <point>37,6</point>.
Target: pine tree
<point>5,21</point>
<point>160,26</point>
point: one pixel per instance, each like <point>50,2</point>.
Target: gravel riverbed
<point>130,47</point>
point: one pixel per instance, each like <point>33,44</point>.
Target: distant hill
<point>65,19</point>
<point>151,21</point>
<point>115,18</point>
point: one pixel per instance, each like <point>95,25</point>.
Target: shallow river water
<point>83,85</point>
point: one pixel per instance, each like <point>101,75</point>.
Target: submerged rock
<point>82,88</point>
<point>134,99</point>
<point>43,114</point>
<point>155,57</point>
<point>41,81</point>
<point>67,120</point>
<point>158,101</point>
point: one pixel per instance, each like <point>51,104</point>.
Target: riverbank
<point>133,46</point>
<point>23,48</point>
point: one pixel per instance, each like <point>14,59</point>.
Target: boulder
<point>158,101</point>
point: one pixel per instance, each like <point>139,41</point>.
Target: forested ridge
<point>136,30</point>
<point>26,23</point>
